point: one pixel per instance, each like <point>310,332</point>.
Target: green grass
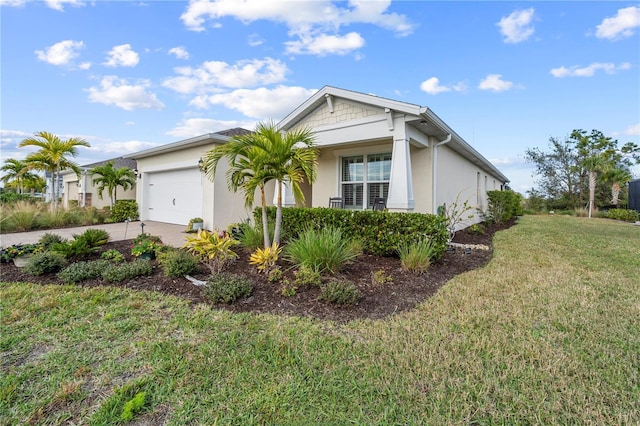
<point>547,333</point>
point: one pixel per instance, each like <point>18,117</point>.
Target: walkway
<point>171,234</point>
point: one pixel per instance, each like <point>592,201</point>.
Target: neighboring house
<point>81,188</point>
<point>370,147</point>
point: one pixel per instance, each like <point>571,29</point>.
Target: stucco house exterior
<point>370,148</point>
<point>81,188</point>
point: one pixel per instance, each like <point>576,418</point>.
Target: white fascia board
<point>319,97</point>
<point>177,146</point>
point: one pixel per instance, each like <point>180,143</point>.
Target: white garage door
<point>175,196</point>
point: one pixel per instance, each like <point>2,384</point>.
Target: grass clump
<point>417,257</point>
<point>44,262</point>
<point>117,273</point>
<point>227,288</point>
<point>133,406</point>
<point>178,263</point>
<point>82,271</point>
<point>323,250</point>
<point>340,293</point>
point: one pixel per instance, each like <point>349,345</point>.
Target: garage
<point>174,196</point>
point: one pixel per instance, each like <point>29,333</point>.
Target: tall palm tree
<point>16,173</point>
<point>264,155</point>
<point>110,178</point>
<point>52,157</point>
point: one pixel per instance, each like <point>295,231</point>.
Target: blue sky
<point>505,76</point>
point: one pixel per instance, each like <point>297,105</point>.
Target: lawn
<point>547,333</point>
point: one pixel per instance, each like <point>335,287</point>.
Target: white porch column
<point>400,182</point>
<point>288,200</point>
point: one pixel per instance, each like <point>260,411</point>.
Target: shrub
<point>45,262</point>
<point>380,277</point>
<point>265,258</point>
<point>123,210</point>
<point>81,271</point>
<point>113,255</point>
<point>477,229</point>
<point>324,250</point>
<point>178,263</point>
<point>340,293</point>
<point>191,222</point>
<point>227,288</point>
<point>48,239</point>
<point>213,249</point>
<point>90,216</point>
<point>275,275</point>
<point>287,288</point>
<point>94,237</point>
<point>503,205</point>
<point>417,257</point>
<point>305,276</point>
<point>121,272</point>
<point>379,232</point>
<point>623,214</point>
<point>250,236</point>
<point>146,244</point>
<point>76,248</point>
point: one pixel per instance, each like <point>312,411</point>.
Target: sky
<point>130,75</point>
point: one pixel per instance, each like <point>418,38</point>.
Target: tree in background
<point>52,157</point>
<point>617,177</point>
<point>570,173</point>
<point>16,174</point>
<point>106,176</point>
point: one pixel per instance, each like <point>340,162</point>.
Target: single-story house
<point>371,148</point>
<point>81,188</point>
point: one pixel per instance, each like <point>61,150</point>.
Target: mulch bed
<point>403,292</point>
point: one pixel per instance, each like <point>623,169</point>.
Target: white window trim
<point>365,153</point>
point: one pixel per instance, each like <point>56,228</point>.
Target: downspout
<point>435,172</point>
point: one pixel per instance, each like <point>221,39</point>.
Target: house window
<point>364,174</point>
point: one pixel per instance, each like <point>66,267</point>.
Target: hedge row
<point>381,233</point>
<point>503,205</point>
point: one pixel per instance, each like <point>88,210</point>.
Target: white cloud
<point>432,86</point>
<point>589,70</point>
<point>621,25</point>
<point>115,91</point>
<point>633,130</point>
<point>495,83</point>
<point>60,53</point>
<point>213,75</point>
<point>191,127</point>
<point>255,40</point>
<point>59,4</point>
<point>517,27</point>
<point>125,147</point>
<point>13,3</point>
<point>324,44</point>
<point>11,138</point>
<point>180,52</point>
<point>315,24</point>
<point>261,103</point>
<point>85,65</point>
<point>122,55</point>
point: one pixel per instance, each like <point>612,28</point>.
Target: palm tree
<point>52,157</point>
<point>616,177</point>
<point>110,178</point>
<point>264,155</point>
<point>16,173</point>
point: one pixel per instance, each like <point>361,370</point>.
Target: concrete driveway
<point>171,234</point>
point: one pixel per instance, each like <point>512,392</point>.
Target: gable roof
<point>208,138</point>
<point>426,121</point>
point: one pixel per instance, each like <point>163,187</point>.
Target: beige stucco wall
<point>74,192</point>
<point>422,179</point>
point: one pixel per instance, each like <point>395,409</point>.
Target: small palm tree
<point>110,178</point>
<point>16,173</point>
<point>617,177</point>
<point>264,155</point>
<point>52,157</point>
